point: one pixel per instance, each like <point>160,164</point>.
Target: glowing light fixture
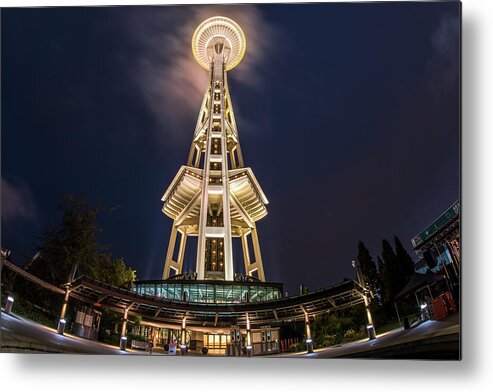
<point>222,27</point>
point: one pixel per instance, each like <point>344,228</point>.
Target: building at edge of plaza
<point>438,245</point>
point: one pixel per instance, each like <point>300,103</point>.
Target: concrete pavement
<point>430,340</point>
<point>22,335</point>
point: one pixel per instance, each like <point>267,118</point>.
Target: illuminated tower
<point>214,196</point>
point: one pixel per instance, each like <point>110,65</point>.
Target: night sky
<point>348,114</point>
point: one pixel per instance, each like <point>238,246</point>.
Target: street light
<point>8,304</point>
<point>370,327</point>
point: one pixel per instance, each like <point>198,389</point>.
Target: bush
<point>349,334</point>
<point>294,347</point>
<point>27,310</point>
<point>109,338</point>
<point>137,338</point>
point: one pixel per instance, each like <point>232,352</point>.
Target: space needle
<point>214,196</point>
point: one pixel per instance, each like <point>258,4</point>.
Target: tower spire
<point>214,196</point>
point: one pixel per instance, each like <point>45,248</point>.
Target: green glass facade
<point>208,292</point>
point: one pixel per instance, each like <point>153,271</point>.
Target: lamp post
<point>8,304</point>
<point>61,320</point>
<point>309,340</point>
<point>370,327</point>
<point>249,347</point>
<point>183,335</point>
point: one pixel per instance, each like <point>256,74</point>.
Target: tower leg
<point>257,264</point>
<point>181,251</point>
<point>258,255</point>
<point>228,242</point>
<point>232,158</point>
<point>246,255</point>
<point>169,254</point>
<point>240,156</point>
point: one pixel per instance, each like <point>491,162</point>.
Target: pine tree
<point>380,279</point>
<point>405,262</point>
<point>367,266</point>
<point>390,272</point>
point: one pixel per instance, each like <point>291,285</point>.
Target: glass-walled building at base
<point>265,340</point>
<point>209,291</point>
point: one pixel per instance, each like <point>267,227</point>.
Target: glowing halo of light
<point>219,26</point>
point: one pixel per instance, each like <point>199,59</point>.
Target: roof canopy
<point>417,281</point>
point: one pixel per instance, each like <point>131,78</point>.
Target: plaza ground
<point>431,339</point>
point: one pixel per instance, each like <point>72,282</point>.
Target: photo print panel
<point>277,180</point>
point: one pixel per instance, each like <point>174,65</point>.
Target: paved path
<point>22,335</point>
<point>433,330</point>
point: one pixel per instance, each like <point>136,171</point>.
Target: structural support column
<point>228,242</point>
<point>370,327</point>
<point>257,264</point>
<point>183,336</point>
<point>249,345</point>
<point>200,263</point>
<point>181,251</point>
<point>246,254</point>
<point>258,256</point>
<point>61,320</point>
<point>123,335</point>
<point>309,340</point>
<point>169,254</point>
<point>232,158</point>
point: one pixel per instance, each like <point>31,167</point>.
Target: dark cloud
<point>17,201</point>
<point>444,61</point>
<point>334,106</point>
<point>171,83</point>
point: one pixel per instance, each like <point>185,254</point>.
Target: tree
<point>111,271</point>
<point>367,266</point>
<point>380,279</point>
<point>405,262</point>
<point>390,272</point>
<point>71,248</point>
